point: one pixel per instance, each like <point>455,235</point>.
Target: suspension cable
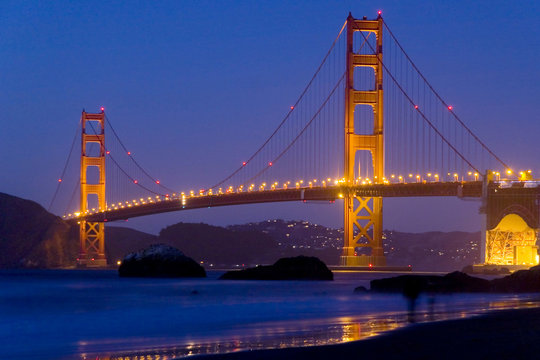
<point>121,169</point>
<point>443,102</point>
<point>65,167</point>
<point>135,161</point>
<point>301,132</point>
<point>420,112</point>
<point>288,113</point>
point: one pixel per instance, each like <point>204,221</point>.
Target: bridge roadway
<point>330,193</point>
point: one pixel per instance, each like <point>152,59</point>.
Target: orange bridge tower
<point>363,215</point>
<point>92,234</point>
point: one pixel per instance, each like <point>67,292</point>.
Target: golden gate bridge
<point>365,127</point>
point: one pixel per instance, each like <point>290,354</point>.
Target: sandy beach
<point>505,334</point>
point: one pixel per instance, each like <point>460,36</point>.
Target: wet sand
<point>505,334</point>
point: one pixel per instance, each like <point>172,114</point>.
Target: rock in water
<point>449,283</point>
<point>295,268</point>
<point>520,281</point>
<point>160,261</point>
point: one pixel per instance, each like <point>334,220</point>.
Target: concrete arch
<point>512,241</point>
<point>519,210</point>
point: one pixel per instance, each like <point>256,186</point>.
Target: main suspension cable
<point>443,102</point>
<point>288,113</point>
<point>61,178</point>
<point>135,161</point>
<point>419,111</point>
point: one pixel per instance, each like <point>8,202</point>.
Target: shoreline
<point>499,334</point>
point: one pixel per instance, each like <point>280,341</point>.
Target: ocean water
<point>94,314</point>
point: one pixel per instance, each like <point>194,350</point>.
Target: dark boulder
<point>460,282</point>
<point>520,281</point>
<point>160,261</point>
<point>469,269</point>
<point>400,284</point>
<point>361,290</point>
<point>413,285</point>
<point>295,268</point>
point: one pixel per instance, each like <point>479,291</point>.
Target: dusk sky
<point>193,87</point>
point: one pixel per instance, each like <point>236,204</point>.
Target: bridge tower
<point>92,234</point>
<point>363,215</point>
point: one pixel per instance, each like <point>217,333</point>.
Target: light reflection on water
<point>319,332</point>
<point>96,315</point>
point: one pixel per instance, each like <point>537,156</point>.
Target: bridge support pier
<point>92,234</point>
<point>363,215</point>
<point>511,226</point>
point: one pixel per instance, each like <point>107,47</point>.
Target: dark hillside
<point>120,241</point>
<point>219,245</point>
<point>32,237</point>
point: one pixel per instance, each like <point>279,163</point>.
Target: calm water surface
<point>72,314</point>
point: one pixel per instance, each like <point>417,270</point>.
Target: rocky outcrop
<point>501,270</point>
<point>450,283</point>
<point>520,281</point>
<point>295,268</point>
<point>160,261</point>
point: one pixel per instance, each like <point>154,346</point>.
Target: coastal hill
<point>32,237</point>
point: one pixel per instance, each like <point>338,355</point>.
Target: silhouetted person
<point>431,290</point>
<point>411,290</point>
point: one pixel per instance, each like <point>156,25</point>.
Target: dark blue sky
<point>194,86</point>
